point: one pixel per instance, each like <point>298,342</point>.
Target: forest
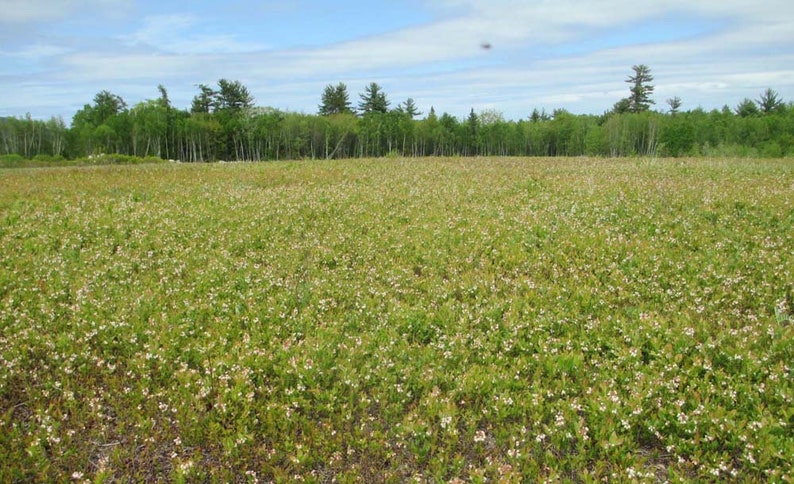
<point>223,123</point>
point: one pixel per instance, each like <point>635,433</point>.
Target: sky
<point>55,55</point>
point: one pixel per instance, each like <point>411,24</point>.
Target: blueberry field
<point>390,320</point>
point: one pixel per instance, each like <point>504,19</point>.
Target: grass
<point>386,320</point>
<point>45,161</point>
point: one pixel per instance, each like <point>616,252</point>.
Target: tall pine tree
<point>641,89</point>
<point>409,107</point>
<point>373,100</point>
<point>769,102</point>
<point>335,100</point>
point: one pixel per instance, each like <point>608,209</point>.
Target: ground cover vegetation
<point>444,319</point>
<point>223,123</point>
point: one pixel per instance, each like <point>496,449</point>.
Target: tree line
<point>223,123</point>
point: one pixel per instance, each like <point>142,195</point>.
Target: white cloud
<point>527,29</point>
<point>550,54</point>
<point>126,67</point>
<point>36,51</point>
<point>176,33</point>
<point>16,11</point>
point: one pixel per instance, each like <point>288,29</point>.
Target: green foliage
<point>770,101</point>
<point>622,107</point>
<point>675,104</point>
<point>373,100</point>
<point>747,108</point>
<point>409,107</point>
<point>11,160</point>
<point>231,96</point>
<point>106,105</point>
<point>224,125</point>
<point>633,134</point>
<point>677,137</point>
<point>29,137</point>
<point>43,161</point>
<point>204,101</point>
<point>771,149</point>
<point>640,98</point>
<point>335,100</point>
<point>575,319</point>
<point>538,116</point>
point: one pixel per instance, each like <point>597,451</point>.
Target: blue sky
<point>55,55</point>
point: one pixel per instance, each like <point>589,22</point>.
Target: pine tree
<point>203,102</point>
<point>230,96</point>
<point>409,107</point>
<point>746,108</point>
<point>640,97</point>
<point>233,96</point>
<point>373,100</point>
<point>769,101</point>
<point>164,101</point>
<point>107,105</point>
<point>622,106</point>
<point>473,125</point>
<point>675,104</point>
<point>335,100</point>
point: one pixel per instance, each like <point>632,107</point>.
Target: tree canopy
<point>335,100</point>
<point>230,96</point>
<point>770,101</point>
<point>409,107</point>
<point>373,100</point>
<point>222,123</point>
<point>641,89</point>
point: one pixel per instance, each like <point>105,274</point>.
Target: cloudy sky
<point>573,54</point>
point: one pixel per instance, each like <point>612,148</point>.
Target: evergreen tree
<point>107,105</point>
<point>233,96</point>
<point>203,102</point>
<point>623,106</point>
<point>164,101</point>
<point>640,97</point>
<point>230,96</point>
<point>538,116</point>
<point>473,130</point>
<point>770,102</point>
<point>373,100</point>
<point>335,100</point>
<point>746,108</point>
<point>675,104</point>
<point>409,107</point>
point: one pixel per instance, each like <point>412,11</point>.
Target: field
<point>388,320</point>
